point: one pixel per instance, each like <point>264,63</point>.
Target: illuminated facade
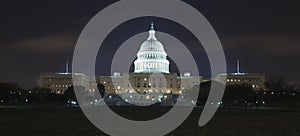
<point>58,83</point>
<point>255,80</point>
<point>148,83</point>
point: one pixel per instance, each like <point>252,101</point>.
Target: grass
<point>71,121</point>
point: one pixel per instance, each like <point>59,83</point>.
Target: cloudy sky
<point>40,36</point>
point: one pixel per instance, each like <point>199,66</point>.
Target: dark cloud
<point>266,44</point>
<point>49,44</point>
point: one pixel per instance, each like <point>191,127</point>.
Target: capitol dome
<point>152,45</point>
<point>151,58</point>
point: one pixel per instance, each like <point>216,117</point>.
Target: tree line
<point>277,94</point>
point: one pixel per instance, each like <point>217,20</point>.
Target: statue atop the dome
<point>152,32</point>
<point>152,26</point>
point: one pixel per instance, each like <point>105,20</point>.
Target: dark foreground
<point>71,121</point>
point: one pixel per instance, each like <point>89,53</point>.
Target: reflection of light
<point>264,102</point>
<point>110,97</point>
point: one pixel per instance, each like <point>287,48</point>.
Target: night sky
<point>40,36</point>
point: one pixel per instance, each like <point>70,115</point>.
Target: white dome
<point>152,45</point>
<point>151,57</point>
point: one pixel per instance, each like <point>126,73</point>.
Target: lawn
<point>71,121</point>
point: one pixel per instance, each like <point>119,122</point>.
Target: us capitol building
<point>151,73</point>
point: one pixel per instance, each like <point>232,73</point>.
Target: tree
<point>39,96</point>
<point>238,94</point>
<point>10,93</point>
<point>70,95</point>
<point>276,85</point>
<point>101,89</point>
